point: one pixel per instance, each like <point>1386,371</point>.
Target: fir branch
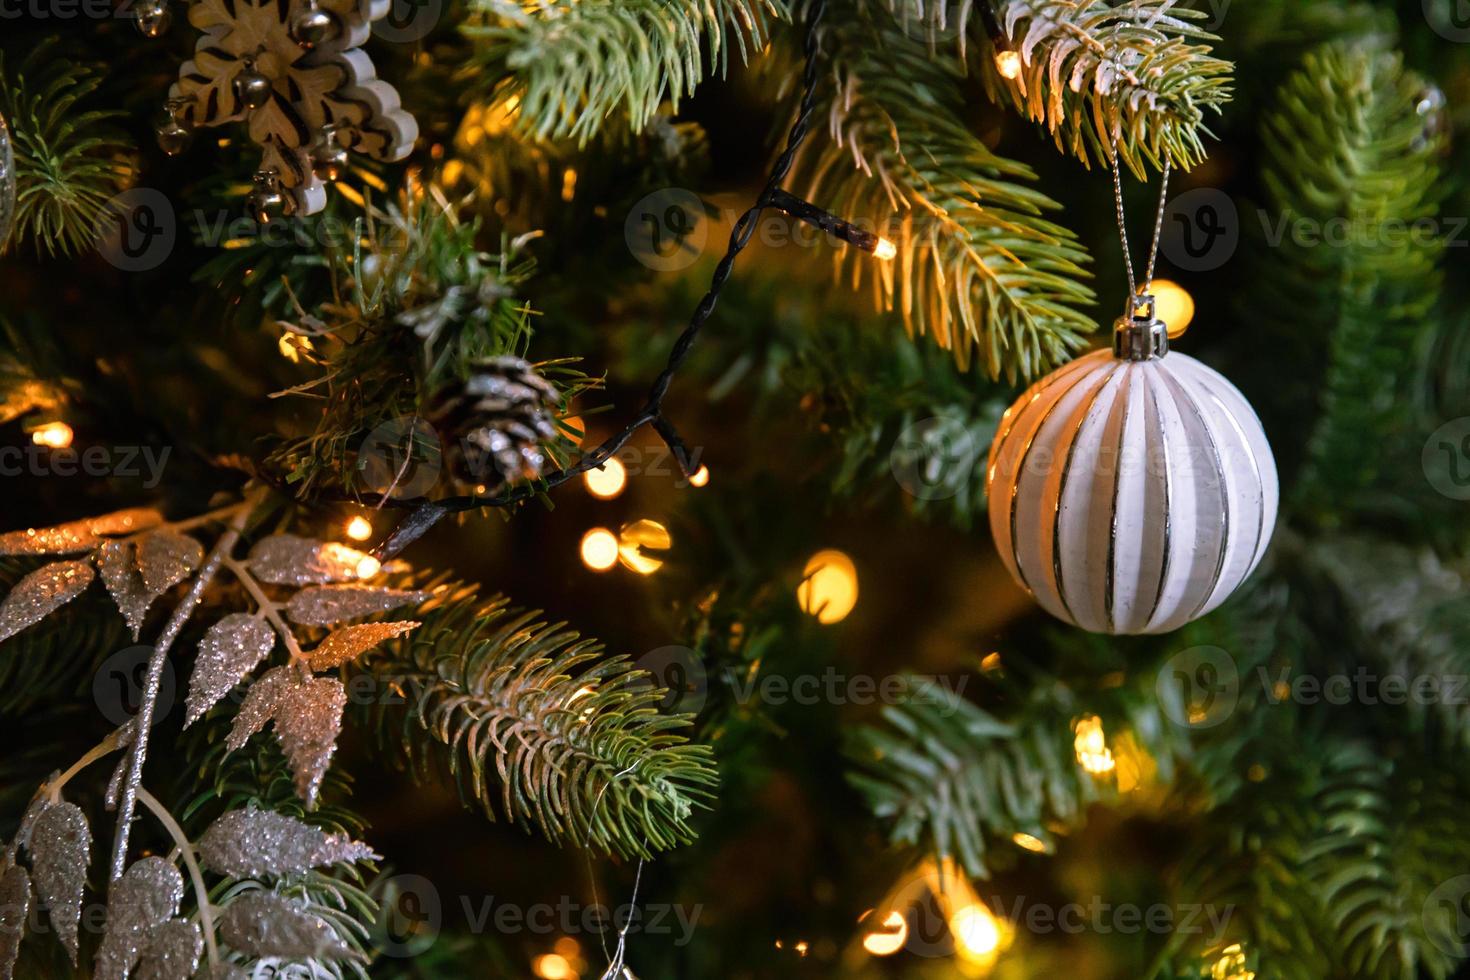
<point>1099,74</point>
<point>69,161</point>
<point>1345,149</point>
<point>572,736</point>
<point>980,269</point>
<point>562,67</point>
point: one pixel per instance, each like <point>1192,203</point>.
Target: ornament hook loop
<point>1139,335</point>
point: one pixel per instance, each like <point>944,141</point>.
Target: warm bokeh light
<point>639,544</point>
<point>1173,305</point>
<point>1231,965</point>
<point>885,249</point>
<point>55,435</point>
<point>607,481</point>
<point>599,549</point>
<point>978,934</point>
<point>829,586</point>
<point>359,528</point>
<point>573,428</point>
<point>553,966</point>
<point>700,477</point>
<point>292,346</point>
<point>1027,842</point>
<point>1091,745</point>
<point>368,566</point>
<point>887,937</point>
<point>1008,63</point>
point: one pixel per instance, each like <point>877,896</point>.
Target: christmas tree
<point>655,488</point>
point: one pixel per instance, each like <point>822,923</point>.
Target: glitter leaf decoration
<point>307,712</point>
<point>172,952</point>
<point>285,559</point>
<point>15,905</point>
<point>41,593</point>
<point>60,847</point>
<point>250,843</point>
<point>166,558</point>
<point>124,584</point>
<point>75,537</point>
<point>327,605</point>
<point>142,900</point>
<point>348,642</point>
<point>266,924</point>
<point>232,648</point>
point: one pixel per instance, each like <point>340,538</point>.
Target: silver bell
<point>313,26</point>
<point>267,202</point>
<point>252,88</point>
<point>152,17</point>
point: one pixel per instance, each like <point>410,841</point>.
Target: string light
<point>829,586</point>
<point>1008,63</point>
<point>54,435</point>
<point>368,566</point>
<point>700,477</point>
<point>599,549</point>
<point>889,936</point>
<point>607,481</point>
<point>637,539</point>
<point>978,934</point>
<point>359,528</point>
<point>292,346</point>
<point>1231,965</point>
<point>1091,746</point>
<point>553,966</point>
<point>1173,305</point>
<point>1029,843</point>
<point>885,249</point>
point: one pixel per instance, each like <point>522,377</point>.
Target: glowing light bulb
<point>54,435</point>
<point>1173,305</point>
<point>885,249</point>
<point>607,481</point>
<point>1091,746</point>
<point>368,566</point>
<point>1029,843</point>
<point>292,346</point>
<point>1231,965</point>
<point>638,544</point>
<point>889,936</point>
<point>359,528</point>
<point>700,477</point>
<point>599,549</point>
<point>1008,63</point>
<point>829,586</point>
<point>977,933</point>
<point>553,966</point>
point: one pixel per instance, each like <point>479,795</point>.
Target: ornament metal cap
<point>1139,335</point>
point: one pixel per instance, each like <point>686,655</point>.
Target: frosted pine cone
<point>496,426</point>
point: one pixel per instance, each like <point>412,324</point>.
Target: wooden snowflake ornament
<point>295,73</point>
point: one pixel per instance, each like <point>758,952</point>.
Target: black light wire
<point>428,513</point>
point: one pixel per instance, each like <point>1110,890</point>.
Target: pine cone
<point>494,428</point>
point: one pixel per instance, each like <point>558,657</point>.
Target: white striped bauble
<point>1131,491</point>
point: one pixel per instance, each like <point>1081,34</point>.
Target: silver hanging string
<point>616,958</point>
<point>1153,254</point>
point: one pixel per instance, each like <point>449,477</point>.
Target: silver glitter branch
<point>143,720</point>
<point>196,876</point>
